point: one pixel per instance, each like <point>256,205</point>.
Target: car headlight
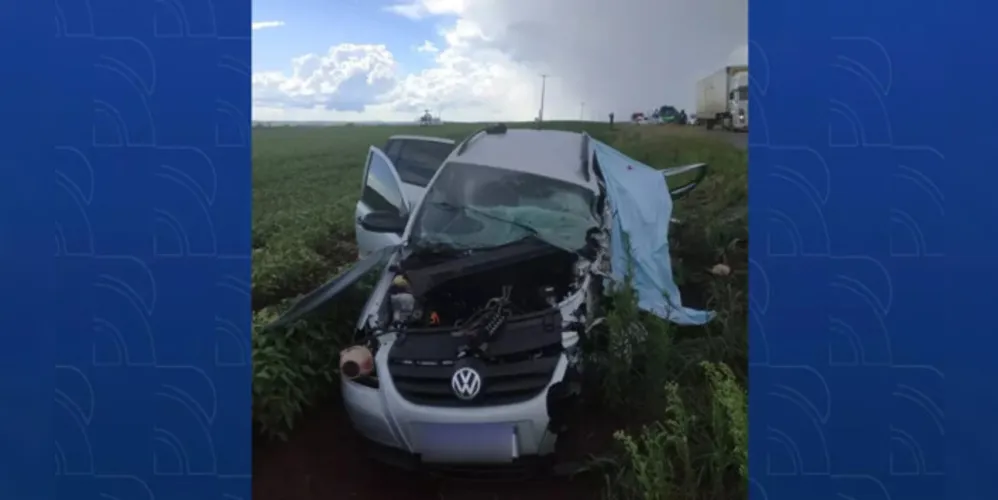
<point>357,364</point>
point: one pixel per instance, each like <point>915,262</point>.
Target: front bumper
<point>492,435</point>
<point>519,469</point>
<point>740,123</point>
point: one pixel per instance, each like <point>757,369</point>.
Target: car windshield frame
<point>507,205</point>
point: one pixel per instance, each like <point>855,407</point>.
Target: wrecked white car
<point>467,351</point>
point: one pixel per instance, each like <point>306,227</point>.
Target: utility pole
<point>582,111</point>
<point>544,80</point>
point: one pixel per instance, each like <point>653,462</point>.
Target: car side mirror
<point>678,192</point>
<point>383,222</point>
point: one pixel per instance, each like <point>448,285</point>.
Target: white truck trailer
<point>722,98</point>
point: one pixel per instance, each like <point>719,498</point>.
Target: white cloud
<point>427,46</point>
<point>616,56</point>
<point>419,9</point>
<point>411,10</point>
<point>347,78</point>
<point>261,25</point>
<point>468,82</point>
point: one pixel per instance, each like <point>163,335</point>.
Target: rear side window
<point>392,149</point>
<point>419,160</point>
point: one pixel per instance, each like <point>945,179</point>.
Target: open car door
<point>417,159</point>
<point>329,290</point>
<point>383,208</point>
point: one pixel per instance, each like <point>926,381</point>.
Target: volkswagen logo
<point>466,383</point>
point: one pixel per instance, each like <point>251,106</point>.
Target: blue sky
<point>358,60</point>
<point>312,26</point>
<point>364,63</point>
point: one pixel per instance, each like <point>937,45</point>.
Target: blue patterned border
<point>125,253</point>
<point>871,178</point>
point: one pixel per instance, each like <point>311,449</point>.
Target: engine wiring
<point>483,325</point>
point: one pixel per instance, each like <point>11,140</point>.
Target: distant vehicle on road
<point>722,98</point>
<point>668,114</point>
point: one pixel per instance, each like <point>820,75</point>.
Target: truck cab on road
<point>722,99</point>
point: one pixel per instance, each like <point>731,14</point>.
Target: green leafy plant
<point>295,367</point>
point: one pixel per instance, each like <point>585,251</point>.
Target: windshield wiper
<point>436,248</point>
<point>446,205</point>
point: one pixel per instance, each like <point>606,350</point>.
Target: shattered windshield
<point>473,207</point>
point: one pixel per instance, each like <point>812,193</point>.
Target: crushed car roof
<point>551,153</point>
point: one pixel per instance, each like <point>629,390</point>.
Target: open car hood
<point>424,277</point>
<point>330,289</point>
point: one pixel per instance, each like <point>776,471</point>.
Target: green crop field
<point>668,414</point>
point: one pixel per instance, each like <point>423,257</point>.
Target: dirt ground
<point>323,460</point>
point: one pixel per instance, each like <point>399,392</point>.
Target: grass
<point>678,394</point>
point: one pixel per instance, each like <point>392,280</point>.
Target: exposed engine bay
<point>472,294</point>
<point>446,307</point>
<point>529,283</point>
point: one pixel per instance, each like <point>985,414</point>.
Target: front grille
<point>521,361</point>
